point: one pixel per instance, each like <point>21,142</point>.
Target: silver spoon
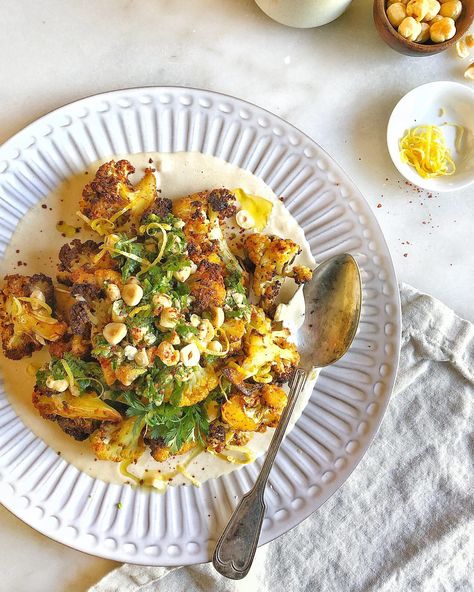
<point>333,300</point>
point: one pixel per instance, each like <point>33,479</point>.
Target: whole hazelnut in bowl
<point>422,27</point>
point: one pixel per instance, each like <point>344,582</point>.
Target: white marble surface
<point>338,84</point>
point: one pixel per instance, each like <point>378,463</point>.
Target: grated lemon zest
<point>424,148</point>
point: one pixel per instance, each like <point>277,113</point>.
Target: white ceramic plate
<point>436,103</point>
<point>346,408</point>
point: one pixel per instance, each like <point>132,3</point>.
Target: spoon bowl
<point>333,300</point>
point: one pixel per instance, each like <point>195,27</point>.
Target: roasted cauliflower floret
<point>201,383</point>
<point>160,452</point>
<point>222,201</point>
<point>73,344</point>
<point>161,207</point>
<point>26,315</point>
<point>111,199</point>
<point>255,412</point>
<point>217,435</point>
<point>271,257</point>
<point>77,416</point>
<point>77,264</point>
<point>201,212</point>
<point>109,191</point>
<point>79,429</point>
<point>234,330</point>
<point>235,414</point>
<point>118,442</point>
<point>86,406</point>
<point>301,274</point>
<point>207,286</point>
<point>268,356</point>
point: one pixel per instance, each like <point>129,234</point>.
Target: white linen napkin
<point>404,520</point>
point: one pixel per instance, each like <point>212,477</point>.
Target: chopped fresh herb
<point>87,375</point>
<point>119,505</point>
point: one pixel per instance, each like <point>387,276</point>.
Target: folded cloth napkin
<point>404,520</point>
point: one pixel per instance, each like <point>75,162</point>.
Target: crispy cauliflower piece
<point>201,383</point>
<point>217,436</point>
<point>86,406</point>
<point>111,192</point>
<point>267,356</point>
<point>118,442</point>
<point>73,344</point>
<point>79,429</point>
<point>235,415</point>
<point>108,192</point>
<point>161,207</point>
<point>273,396</point>
<point>127,373</point>
<point>207,286</point>
<point>26,316</point>
<point>202,212</point>
<point>256,412</point>
<point>160,452</point>
<point>234,330</point>
<point>76,416</point>
<point>77,265</point>
<point>222,201</point>
<point>271,257</point>
<point>301,274</point>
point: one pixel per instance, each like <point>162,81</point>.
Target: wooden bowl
<point>390,35</point>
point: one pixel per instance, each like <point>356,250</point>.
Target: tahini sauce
<point>38,241</point>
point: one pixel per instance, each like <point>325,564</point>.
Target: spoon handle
<point>236,548</point>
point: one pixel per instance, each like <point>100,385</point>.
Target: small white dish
<point>436,103</point>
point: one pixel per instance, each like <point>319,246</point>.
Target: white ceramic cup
<point>303,13</point>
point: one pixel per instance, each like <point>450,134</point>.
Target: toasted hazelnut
<point>133,280</point>
<point>215,347</point>
<point>37,295</point>
<point>217,316</point>
<point>141,358</point>
<point>396,13</point>
<point>114,332</point>
<point>59,386</point>
<point>190,355</point>
<point>433,9</point>
<point>462,49</point>
<point>469,72</point>
<point>167,354</point>
<point>425,33</point>
<point>417,9</point>
<point>169,318</point>
<point>442,30</point>
<point>113,292</point>
<point>245,219</point>
<point>469,39</point>
<point>206,331</point>
<point>161,301</point>
<point>183,274</point>
<point>132,294</point>
<point>451,9</point>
